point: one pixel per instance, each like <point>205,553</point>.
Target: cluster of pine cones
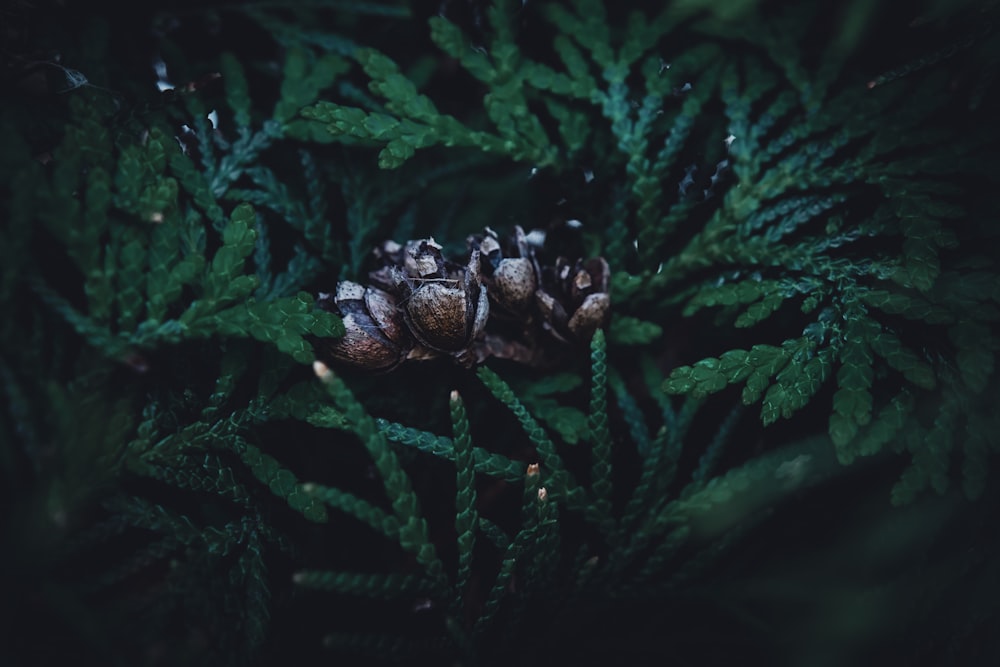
<point>501,302</point>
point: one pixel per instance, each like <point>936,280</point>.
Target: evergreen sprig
<point>635,541</point>
<point>831,220</point>
<point>812,236</point>
<point>156,281</point>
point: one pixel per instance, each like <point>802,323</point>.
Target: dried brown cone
<point>421,305</point>
<point>444,305</point>
<point>573,299</point>
<point>375,335</point>
<point>512,276</point>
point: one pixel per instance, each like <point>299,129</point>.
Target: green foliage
<point>466,515</point>
<point>856,296</point>
<point>141,245</point>
<point>540,397</point>
<point>780,236</point>
<point>809,230</point>
<point>412,535</point>
<point>637,538</point>
<point>219,456</point>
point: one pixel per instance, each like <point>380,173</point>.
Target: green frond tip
<point>852,404</point>
<point>450,39</point>
<point>712,374</point>
<point>284,322</point>
<point>302,84</point>
<point>400,138</point>
<point>355,507</point>
<point>466,516</point>
<point>378,586</point>
<point>225,279</point>
<point>282,482</point>
<point>237,92</point>
<point>795,385</point>
<point>413,531</point>
<point>550,459</point>
<point>597,420</point>
<point>533,495</point>
<point>487,463</point>
<point>798,371</point>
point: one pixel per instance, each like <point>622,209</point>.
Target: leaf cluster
<point>575,538</point>
<point>802,235</point>
<point>851,213</point>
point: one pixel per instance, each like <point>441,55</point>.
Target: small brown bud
<point>375,336</point>
<point>514,283</point>
<point>574,300</point>
<point>512,279</point>
<point>445,307</point>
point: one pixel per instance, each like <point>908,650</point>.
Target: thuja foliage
<point>790,223</point>
<point>817,209</point>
